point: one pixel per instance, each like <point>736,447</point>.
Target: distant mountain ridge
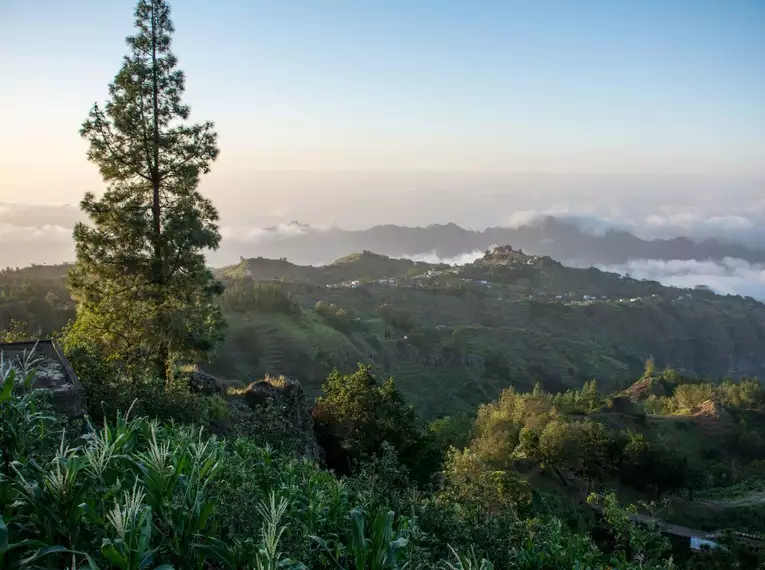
<point>563,239</point>
<point>555,237</point>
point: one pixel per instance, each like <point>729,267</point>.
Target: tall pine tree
<point>145,294</point>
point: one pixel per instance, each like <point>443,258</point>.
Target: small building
<point>699,543</point>
<point>53,372</point>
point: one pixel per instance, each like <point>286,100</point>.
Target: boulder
<point>205,384</point>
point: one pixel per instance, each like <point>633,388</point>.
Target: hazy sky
<point>632,89</point>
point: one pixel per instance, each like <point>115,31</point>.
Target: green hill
<point>453,337</point>
<point>358,266</point>
<point>456,336</point>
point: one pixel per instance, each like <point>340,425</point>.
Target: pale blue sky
<point>617,86</point>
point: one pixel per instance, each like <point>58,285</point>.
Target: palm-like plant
<point>245,555</point>
<point>52,498</point>
<point>269,556</point>
<point>189,518</point>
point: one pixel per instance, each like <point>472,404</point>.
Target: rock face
<point>205,384</point>
<point>53,373</point>
<point>283,401</point>
<point>645,387</point>
<point>713,418</point>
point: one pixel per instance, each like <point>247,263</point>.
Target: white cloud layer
<point>743,225</point>
<point>244,234</point>
<point>729,277</point>
<point>431,257</point>
<point>13,234</point>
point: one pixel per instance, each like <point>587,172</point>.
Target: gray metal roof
<point>53,372</point>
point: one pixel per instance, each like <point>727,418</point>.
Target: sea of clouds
<point>42,234</point>
<point>728,277</point>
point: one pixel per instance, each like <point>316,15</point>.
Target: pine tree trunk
<point>158,262</point>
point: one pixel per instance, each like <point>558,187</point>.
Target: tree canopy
<point>144,292</point>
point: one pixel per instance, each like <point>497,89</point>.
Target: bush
<point>137,493</point>
<point>357,415</point>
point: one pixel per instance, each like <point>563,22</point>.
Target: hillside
<point>453,337</point>
<point>456,336</point>
<point>364,266</point>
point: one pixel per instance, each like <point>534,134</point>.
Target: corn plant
<point>245,555</point>
<point>103,446</point>
<point>9,551</point>
<point>129,525</point>
<point>22,423</point>
<point>469,562</point>
<point>51,498</point>
<point>106,451</point>
<point>189,518</point>
<point>268,556</point>
<point>381,550</point>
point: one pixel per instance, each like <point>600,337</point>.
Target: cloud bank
<point>245,234</point>
<point>744,224</point>
<point>42,234</point>
<point>728,277</point>
<point>431,257</point>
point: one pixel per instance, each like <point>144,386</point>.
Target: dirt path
<point>750,499</point>
<point>665,527</point>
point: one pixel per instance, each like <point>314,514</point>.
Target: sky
<point>346,112</point>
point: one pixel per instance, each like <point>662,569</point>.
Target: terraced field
<point>455,337</point>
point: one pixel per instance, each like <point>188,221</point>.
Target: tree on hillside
<point>357,414</point>
<point>144,292</point>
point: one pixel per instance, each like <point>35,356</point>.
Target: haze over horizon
<point>646,116</point>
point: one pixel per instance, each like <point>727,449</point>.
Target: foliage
<point>745,394</point>
<point>357,415</point>
<point>469,481</point>
<point>630,539</point>
<point>135,493</point>
<point>144,294</point>
<point>554,431</point>
<point>468,562</point>
<point>33,302</point>
<point>375,548</point>
<point>24,422</point>
<point>249,295</point>
<point>337,317</point>
<point>396,316</point>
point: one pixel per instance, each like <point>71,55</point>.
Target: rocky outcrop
<point>204,383</point>
<point>712,418</point>
<point>278,408</point>
<point>646,387</point>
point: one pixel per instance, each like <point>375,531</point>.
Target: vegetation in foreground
<point>141,493</point>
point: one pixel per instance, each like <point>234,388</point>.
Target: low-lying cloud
<point>244,234</point>
<point>728,277</point>
<point>743,224</point>
<point>433,258</point>
<point>42,234</point>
